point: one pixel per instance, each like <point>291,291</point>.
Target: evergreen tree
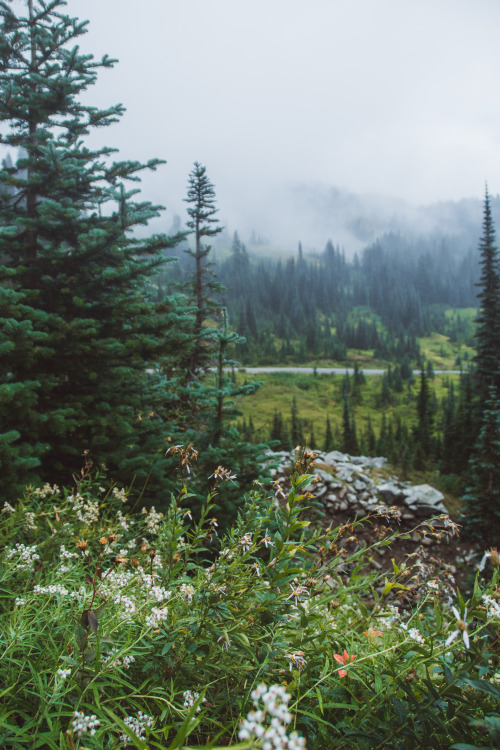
<point>216,435</point>
<point>203,224</point>
<point>481,516</point>
<point>349,436</point>
<point>425,416</point>
<point>84,344</point>
<point>279,432</point>
<point>329,444</point>
<point>488,320</point>
<point>296,434</point>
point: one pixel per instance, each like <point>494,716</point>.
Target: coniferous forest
<point>161,585</point>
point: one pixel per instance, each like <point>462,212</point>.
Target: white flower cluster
<point>147,579</point>
<point>26,556</point>
<point>138,725</point>
<point>86,512</point>
<point>116,580</point>
<point>415,635</point>
<point>120,494</point>
<point>63,673</point>
<point>83,724</point>
<point>29,521</point>
<point>493,606</point>
<point>157,616</point>
<point>54,588</point>
<point>187,591</point>
<point>123,521</point>
<point>159,593</point>
<point>19,601</point>
<point>127,603</point>
<point>191,698</point>
<point>269,723</point>
<point>46,490</point>
<point>7,508</point>
<point>124,661</point>
<point>388,616</point>
<point>153,519</point>
<point>64,554</point>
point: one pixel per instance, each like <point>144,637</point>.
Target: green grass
<point>319,396</point>
<point>443,353</point>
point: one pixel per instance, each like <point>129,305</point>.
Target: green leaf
<point>486,687</point>
<point>387,587</point>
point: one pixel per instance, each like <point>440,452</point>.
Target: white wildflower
<point>461,629</point>
<point>492,556</point>
<point>157,616</point>
<point>297,592</point>
<point>127,602</point>
<point>187,591</point>
<point>153,519</point>
<point>224,639</point>
<point>120,494</point>
<point>138,725</point>
<point>25,557</point>
<point>46,490</point>
<point>63,673</point>
<point>266,539</point>
<point>493,606</point>
<point>296,659</point>
<point>114,661</point>
<point>191,698</point>
<point>268,724</point>
<point>7,508</point>
<point>29,521</point>
<point>53,588</point>
<point>83,724</point>
<point>246,542</point>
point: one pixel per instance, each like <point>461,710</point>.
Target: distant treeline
<point>320,305</point>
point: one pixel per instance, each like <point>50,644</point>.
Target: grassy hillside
<point>319,396</point>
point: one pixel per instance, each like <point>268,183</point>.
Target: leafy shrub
<point>121,628</point>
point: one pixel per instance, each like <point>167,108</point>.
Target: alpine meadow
<point>249,493</point>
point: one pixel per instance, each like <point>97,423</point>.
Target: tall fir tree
<point>83,343</point>
<point>481,513</point>
<point>488,320</point>
<point>203,224</point>
<point>329,443</point>
<point>215,432</point>
<point>425,415</point>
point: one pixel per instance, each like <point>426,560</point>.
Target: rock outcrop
<point>351,484</point>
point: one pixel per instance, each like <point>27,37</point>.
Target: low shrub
<point>122,628</point>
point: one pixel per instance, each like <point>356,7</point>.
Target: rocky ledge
<point>350,484</point>
<point>349,487</point>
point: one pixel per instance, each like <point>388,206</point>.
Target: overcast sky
<point>394,97</point>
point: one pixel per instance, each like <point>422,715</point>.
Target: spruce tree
<point>83,343</point>
<point>488,320</point>
<point>328,444</point>
<point>425,416</point>
<point>481,515</point>
<point>203,224</point>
